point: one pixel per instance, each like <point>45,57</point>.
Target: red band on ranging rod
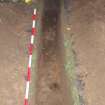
<point>34,31</point>
<point>30,49</point>
<point>25,101</point>
<point>34,17</point>
<point>28,74</point>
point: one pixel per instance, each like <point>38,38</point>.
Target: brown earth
<point>52,83</point>
<point>52,87</point>
<point>88,30</point>
<point>14,36</point>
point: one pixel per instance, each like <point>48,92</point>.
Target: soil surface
<point>52,84</point>
<point>15,22</point>
<point>87,19</point>
<point>88,29</point>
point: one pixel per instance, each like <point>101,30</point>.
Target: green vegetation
<point>69,59</point>
<point>70,68</point>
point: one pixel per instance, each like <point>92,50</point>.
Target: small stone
<point>68,28</point>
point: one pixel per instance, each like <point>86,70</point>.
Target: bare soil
<point>88,30</point>
<point>52,83</point>
<point>14,26</point>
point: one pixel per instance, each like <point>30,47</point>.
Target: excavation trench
<point>52,84</point>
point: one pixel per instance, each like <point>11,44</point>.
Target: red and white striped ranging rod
<point>30,57</point>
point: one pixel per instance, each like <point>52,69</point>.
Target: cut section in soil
<point>52,85</point>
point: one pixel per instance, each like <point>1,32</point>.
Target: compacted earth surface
<point>87,26</point>
<point>88,29</point>
<point>15,24</point>
<point>52,84</point>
